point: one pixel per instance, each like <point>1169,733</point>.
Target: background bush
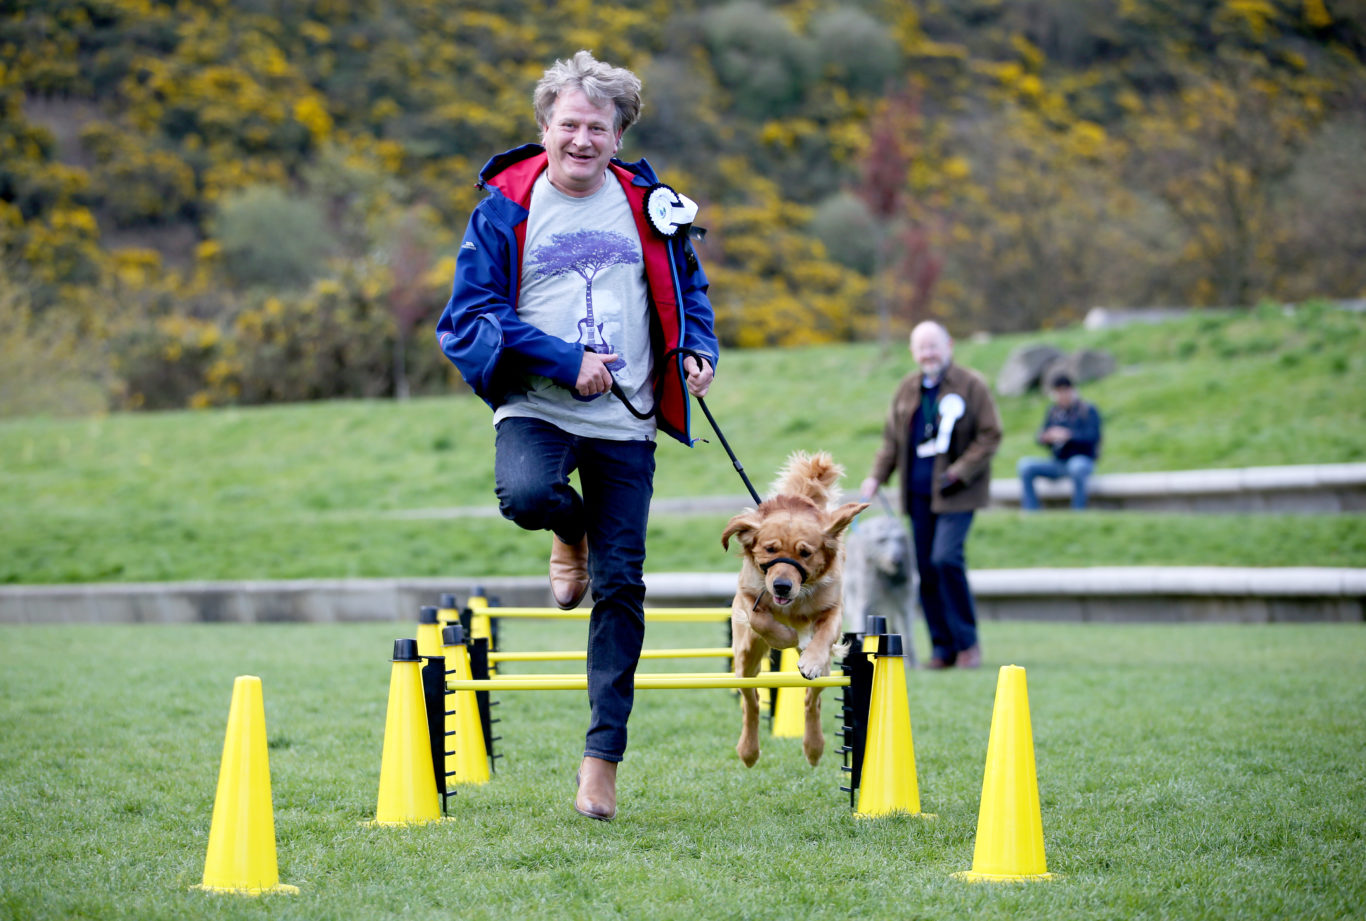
<point>1024,161</point>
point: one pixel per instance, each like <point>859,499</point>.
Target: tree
<point>586,253</point>
<point>409,263</point>
<point>1044,229</point>
<point>904,252</point>
<point>1215,153</point>
<point>760,58</point>
<point>271,238</point>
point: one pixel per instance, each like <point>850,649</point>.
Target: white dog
<point>880,577</point>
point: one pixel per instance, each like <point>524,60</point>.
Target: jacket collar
<point>952,377</point>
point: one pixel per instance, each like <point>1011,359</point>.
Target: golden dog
<point>789,591</point>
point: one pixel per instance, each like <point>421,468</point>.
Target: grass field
<point>1191,772</point>
<point>338,489</point>
<point>1185,771</point>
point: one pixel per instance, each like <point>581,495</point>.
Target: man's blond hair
<point>601,83</point>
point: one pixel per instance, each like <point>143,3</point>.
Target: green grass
<point>322,489</point>
<point>166,547</point>
<point>1185,771</point>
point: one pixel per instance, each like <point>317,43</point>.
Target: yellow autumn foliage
<point>1055,155</point>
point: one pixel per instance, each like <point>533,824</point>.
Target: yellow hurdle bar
<point>688,615</point>
<point>651,682</point>
<point>706,652</point>
<point>499,679</point>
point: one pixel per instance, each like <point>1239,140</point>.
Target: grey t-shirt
<point>583,280</point>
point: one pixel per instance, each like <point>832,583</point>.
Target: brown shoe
<point>970,657</point>
<point>568,571</point>
<point>596,796</point>
<point>936,664</point>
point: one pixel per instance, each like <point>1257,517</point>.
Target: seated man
<point>1071,430</point>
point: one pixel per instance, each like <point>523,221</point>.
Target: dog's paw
<point>749,754</point>
<point>812,666</point>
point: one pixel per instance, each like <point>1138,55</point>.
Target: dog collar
<point>789,561</point>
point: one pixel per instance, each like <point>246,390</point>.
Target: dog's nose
<point>782,587</point>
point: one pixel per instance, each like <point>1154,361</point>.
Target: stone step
<point>1099,594</point>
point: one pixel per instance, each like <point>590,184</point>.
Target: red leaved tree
<point>905,256</point>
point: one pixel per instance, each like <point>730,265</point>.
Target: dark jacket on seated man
<point>1083,421</point>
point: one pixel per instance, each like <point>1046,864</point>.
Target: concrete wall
<point>1172,594</point>
<point>1095,594</point>
<point>1305,488</point>
<point>310,600</point>
<point>1300,489</point>
<point>1107,594</point>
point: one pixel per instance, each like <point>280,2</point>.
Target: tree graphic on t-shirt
<point>586,253</point>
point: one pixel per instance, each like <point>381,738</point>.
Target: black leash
<point>739,468</point>
<point>735,461</point>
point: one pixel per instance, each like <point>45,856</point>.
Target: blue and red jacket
<point>480,332</point>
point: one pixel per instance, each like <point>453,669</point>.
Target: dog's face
<point>792,543</point>
<point>887,547</point>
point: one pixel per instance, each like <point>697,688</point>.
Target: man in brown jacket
<point>941,433</point>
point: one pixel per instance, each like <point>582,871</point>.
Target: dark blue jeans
<point>532,463</point>
<point>1078,468</point>
<point>945,596</point>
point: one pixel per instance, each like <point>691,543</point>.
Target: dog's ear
<point>743,528</point>
<point>841,517</point>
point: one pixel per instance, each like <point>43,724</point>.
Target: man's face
<point>931,350</point>
<point>1064,396</point>
<point>579,140</point>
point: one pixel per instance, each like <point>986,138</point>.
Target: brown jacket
<point>975,439</point>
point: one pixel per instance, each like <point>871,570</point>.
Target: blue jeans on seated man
<point>532,463</point>
<point>1077,468</point>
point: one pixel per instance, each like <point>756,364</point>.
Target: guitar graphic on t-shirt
<point>585,254</point>
<point>594,332</point>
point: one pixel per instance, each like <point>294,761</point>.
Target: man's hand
<point>594,378</point>
<point>868,488</point>
<point>699,375</point>
<point>1056,435</point>
<point>949,484</point>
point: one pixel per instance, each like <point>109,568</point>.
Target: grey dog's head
<point>886,547</point>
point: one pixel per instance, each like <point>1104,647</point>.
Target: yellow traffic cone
<point>468,758</point>
<point>241,855</point>
<point>447,611</point>
<point>407,780</point>
<point>873,630</point>
<point>480,627</point>
<point>765,694</point>
<point>481,624</point>
<point>888,781</point>
<point>789,717</point>
<point>428,632</point>
<point>1009,824</point>
<point>765,666</point>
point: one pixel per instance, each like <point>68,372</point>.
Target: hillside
<point>356,488</point>
<point>211,204</point>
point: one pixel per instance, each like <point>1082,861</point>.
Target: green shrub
<point>272,239</point>
<point>850,233</point>
<point>138,184</point>
<point>858,52</point>
<point>760,58</point>
<point>45,369</point>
